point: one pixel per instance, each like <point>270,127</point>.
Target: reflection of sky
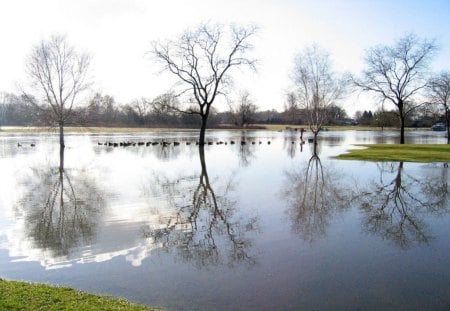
<point>120,260</point>
<point>127,175</point>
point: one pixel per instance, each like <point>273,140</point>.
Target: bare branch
<point>201,59</point>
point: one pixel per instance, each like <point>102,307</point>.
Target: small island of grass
<point>424,153</point>
<point>16,295</point>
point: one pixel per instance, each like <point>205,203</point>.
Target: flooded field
<point>252,221</point>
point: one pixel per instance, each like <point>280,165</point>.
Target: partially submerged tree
<point>318,86</point>
<point>398,73</point>
<point>58,73</point>
<point>439,94</point>
<point>201,60</point>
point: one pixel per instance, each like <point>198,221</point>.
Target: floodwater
<point>261,226</point>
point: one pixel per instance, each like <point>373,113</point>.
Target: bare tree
<point>201,60</point>
<point>318,86</point>
<point>142,107</point>
<point>439,94</point>
<point>245,110</point>
<point>164,107</point>
<point>101,110</point>
<point>59,74</point>
<point>291,107</point>
<point>397,73</point>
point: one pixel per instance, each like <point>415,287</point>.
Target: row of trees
<point>202,61</point>
<point>103,110</point>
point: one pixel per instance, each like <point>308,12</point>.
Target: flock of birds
<point>177,143</point>
<point>174,143</point>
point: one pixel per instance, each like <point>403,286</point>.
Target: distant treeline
<point>103,110</point>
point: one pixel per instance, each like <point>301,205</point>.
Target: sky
<point>119,34</point>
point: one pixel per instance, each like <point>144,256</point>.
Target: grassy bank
<point>397,152</point>
<point>27,296</point>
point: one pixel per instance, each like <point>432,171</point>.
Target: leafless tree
<point>439,94</point>
<point>291,107</point>
<point>318,86</point>
<point>101,110</point>
<point>164,107</point>
<point>201,60</point>
<point>59,74</point>
<point>244,111</point>
<point>398,73</point>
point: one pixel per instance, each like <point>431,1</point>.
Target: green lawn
<point>397,152</point>
<point>16,295</point>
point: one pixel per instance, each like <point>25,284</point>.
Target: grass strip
<point>424,153</point>
<point>16,295</point>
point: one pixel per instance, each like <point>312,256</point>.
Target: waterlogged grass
<point>27,296</point>
<point>397,152</point>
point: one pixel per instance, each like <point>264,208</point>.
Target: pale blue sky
<point>119,32</point>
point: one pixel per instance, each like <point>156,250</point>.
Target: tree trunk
<point>203,130</point>
<point>402,130</point>
<point>61,158</point>
<point>402,122</point>
<point>61,135</point>
<point>447,120</point>
<point>315,143</point>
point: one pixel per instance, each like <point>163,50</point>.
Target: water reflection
<point>205,229</point>
<point>315,193</point>
<point>61,208</point>
<point>246,152</point>
<point>395,207</point>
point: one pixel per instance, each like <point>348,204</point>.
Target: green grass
<point>16,295</point>
<point>397,152</point>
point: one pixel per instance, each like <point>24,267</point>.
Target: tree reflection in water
<point>315,194</point>
<point>395,206</point>
<point>205,229</point>
<point>61,211</point>
<point>246,152</point>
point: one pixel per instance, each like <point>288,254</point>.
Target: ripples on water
<point>260,225</point>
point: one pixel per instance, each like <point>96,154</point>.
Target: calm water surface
<point>237,227</point>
